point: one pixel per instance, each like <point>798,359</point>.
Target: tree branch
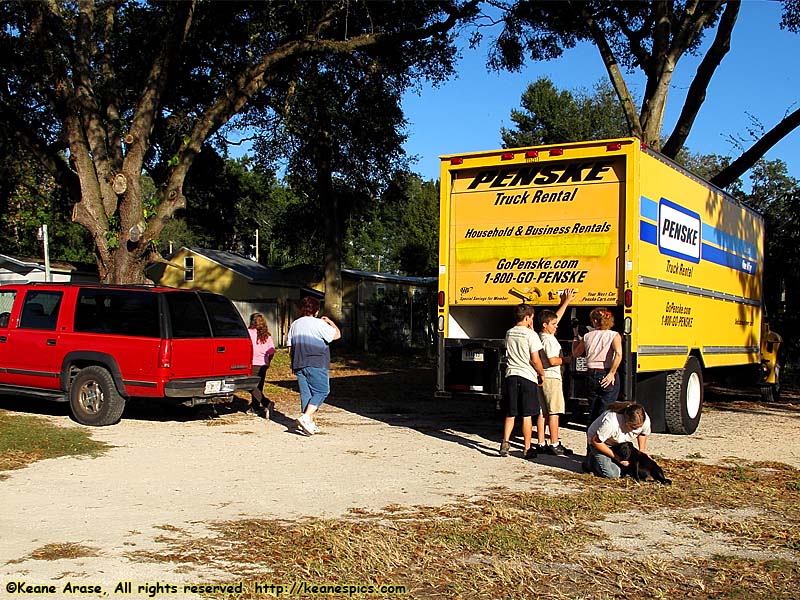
<point>255,77</point>
<point>612,67</point>
<point>86,105</point>
<point>749,158</point>
<point>705,71</point>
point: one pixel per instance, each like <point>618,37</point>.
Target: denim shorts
<point>314,384</point>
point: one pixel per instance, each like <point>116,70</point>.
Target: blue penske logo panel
<point>680,233</point>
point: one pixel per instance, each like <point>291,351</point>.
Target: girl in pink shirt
<point>603,349</point>
<point>263,351</point>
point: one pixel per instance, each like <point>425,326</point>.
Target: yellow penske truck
<point>677,261</point>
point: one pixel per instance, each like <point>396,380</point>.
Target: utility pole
<point>42,235</point>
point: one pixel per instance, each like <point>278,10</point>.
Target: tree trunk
<point>329,203</point>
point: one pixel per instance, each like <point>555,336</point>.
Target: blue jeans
<point>603,466</point>
<point>314,386</point>
<point>598,396</point>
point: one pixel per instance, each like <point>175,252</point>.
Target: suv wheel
<point>94,399</point>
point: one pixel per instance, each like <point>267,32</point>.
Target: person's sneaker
<point>531,453</point>
<point>306,425</point>
<point>315,427</point>
<point>504,448</point>
<point>560,450</point>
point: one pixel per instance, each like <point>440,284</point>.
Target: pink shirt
<point>262,352</point>
<point>599,349</point>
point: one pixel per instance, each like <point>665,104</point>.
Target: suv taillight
<point>165,354</point>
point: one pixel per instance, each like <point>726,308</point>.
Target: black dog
<point>640,466</point>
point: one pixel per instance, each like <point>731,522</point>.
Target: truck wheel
<point>684,399</point>
<point>94,399</point>
<point>771,392</point>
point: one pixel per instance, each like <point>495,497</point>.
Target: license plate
<point>580,363</point>
<point>217,386</point>
<point>469,355</point>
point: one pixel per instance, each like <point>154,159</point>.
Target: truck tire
<point>94,399</point>
<point>684,398</point>
<point>771,392</point>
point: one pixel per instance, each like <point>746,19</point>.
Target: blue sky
<point>758,77</point>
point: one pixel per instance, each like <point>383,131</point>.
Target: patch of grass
<point>529,545</point>
<point>26,439</point>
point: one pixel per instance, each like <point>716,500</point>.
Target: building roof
<point>255,273</point>
<point>241,265</point>
<point>390,277</point>
<point>58,265</point>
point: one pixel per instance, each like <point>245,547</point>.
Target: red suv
<point>97,346</point>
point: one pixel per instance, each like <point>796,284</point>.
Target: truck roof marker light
<point>628,298</point>
<point>457,161</point>
<point>441,299</point>
<point>643,145</point>
<point>613,147</point>
<point>532,154</point>
<point>506,156</point>
<point>556,151</point>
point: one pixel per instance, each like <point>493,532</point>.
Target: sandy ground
<point>164,472</point>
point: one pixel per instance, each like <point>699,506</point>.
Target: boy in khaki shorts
<point>552,397</point>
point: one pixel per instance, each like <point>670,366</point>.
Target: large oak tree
<point>101,92</point>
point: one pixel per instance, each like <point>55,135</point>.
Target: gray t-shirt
<point>521,341</point>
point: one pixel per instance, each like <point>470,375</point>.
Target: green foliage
<point>777,195</point>
<point>552,116</point>
<point>30,198</point>
<point>399,232</point>
<point>227,201</point>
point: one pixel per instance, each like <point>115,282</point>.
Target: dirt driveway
<point>385,441</point>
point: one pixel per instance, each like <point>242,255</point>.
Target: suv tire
<point>94,399</point>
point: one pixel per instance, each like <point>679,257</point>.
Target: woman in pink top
<point>603,348</point>
<point>263,351</point>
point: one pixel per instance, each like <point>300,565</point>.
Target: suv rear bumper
<point>192,388</point>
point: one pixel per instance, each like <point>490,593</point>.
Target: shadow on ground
<point>400,394</point>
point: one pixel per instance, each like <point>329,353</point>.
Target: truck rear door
<point>528,226</point>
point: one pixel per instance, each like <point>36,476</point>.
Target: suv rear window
<point>225,320</point>
<point>186,314</point>
<point>190,319</point>
<point>118,312</point>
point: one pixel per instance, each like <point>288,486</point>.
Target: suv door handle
<point>220,349</point>
<point>3,338</point>
<point>51,342</point>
